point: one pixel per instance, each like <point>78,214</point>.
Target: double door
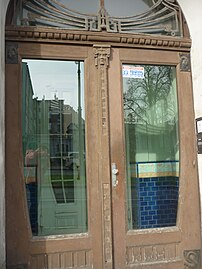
<point>109,162</point>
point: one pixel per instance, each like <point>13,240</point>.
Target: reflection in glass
<point>119,8</point>
<point>84,6</point>
<point>152,145</point>
<point>53,133</point>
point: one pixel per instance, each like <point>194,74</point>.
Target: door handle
<point>115,171</point>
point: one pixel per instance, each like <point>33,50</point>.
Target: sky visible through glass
<point>59,79</point>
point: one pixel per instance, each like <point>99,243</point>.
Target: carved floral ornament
<point>162,17</point>
<point>192,259</point>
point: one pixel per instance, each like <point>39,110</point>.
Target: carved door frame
<point>103,52</point>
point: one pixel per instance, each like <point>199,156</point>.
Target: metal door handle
<point>114,173</point>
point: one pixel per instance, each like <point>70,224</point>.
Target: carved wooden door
<point>146,204</point>
<point>141,175</point>
<point>143,164</point>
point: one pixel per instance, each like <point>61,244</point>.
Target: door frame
<point>35,42</point>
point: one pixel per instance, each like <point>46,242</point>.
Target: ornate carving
<point>164,17</point>
<point>11,53</point>
<point>148,254</point>
<point>107,223</point>
<point>192,259</point>
<point>102,22</point>
<point>66,36</point>
<point>102,54</point>
<point>185,64</point>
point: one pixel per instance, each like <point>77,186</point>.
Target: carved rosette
<point>102,54</point>
<point>192,259</point>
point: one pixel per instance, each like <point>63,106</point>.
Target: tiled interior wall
<point>155,201</point>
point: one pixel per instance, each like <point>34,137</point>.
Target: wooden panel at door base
<point>70,259</point>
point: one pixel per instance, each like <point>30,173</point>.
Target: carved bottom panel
<point>66,260</point>
<point>150,254</point>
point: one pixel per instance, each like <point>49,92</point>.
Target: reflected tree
<point>149,100</point>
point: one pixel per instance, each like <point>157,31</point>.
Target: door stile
<point>189,185</point>
<point>117,157</point>
<point>101,57</point>
<point>13,173</point>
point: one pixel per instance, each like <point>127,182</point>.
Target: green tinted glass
<point>152,145</point>
<point>53,135</point>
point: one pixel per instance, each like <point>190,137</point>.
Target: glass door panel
<point>152,145</point>
<point>53,134</point>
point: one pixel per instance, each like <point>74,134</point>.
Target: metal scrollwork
<point>164,17</point>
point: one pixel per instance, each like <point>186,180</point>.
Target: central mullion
<point>101,55</point>
<point>117,155</point>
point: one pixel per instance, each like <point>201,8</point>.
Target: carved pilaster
<point>192,259</point>
<point>102,54</point>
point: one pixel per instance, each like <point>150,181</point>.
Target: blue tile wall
<point>31,190</point>
<point>154,202</point>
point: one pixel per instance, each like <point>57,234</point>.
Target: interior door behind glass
<point>152,144</point>
<point>54,146</point>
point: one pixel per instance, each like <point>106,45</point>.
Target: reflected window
<point>53,135</point>
<point>152,145</point>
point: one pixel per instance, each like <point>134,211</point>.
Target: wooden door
<point>121,151</point>
<point>67,228</point>
<point>154,211</point>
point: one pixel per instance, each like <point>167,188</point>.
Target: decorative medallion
<point>185,63</point>
<point>192,259</point>
<point>11,53</point>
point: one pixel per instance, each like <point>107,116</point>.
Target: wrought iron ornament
<point>164,17</point>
